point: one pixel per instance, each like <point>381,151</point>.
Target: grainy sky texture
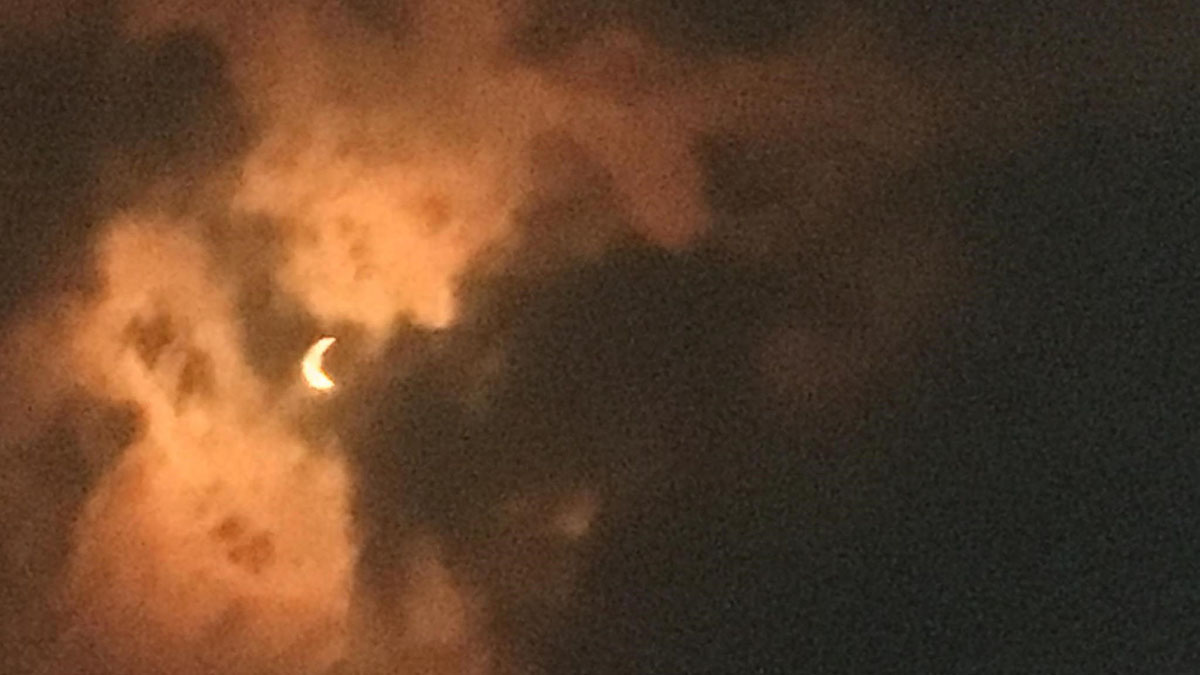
<point>690,337</point>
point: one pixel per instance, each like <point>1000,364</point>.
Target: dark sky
<point>1024,499</point>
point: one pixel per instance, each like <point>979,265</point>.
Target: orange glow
<point>379,172</point>
<point>219,517</point>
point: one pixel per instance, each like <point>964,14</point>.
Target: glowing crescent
<point>311,365</point>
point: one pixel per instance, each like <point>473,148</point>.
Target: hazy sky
<point>757,337</point>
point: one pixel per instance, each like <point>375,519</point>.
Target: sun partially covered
<point>311,366</point>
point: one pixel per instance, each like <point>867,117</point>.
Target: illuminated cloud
<point>378,184</point>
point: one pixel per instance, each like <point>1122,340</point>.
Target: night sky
<point>1013,490</point>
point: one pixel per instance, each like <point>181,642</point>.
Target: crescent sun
<point>310,366</point>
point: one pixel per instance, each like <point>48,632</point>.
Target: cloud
<point>551,253</point>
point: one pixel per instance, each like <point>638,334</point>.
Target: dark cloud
<point>89,118</point>
<point>614,374</point>
<point>173,99</point>
<point>52,134</point>
<point>699,27</point>
<point>1014,505</point>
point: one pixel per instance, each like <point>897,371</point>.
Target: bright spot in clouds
<point>311,365</point>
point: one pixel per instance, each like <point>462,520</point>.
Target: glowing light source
<point>311,368</point>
